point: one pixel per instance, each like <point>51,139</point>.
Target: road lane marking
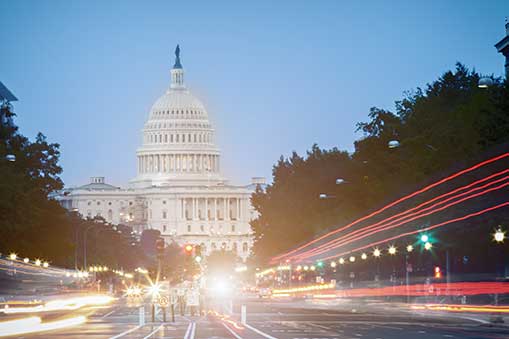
<point>152,333</point>
<point>188,330</point>
<point>125,332</point>
<point>107,314</point>
<point>260,332</point>
<point>232,332</point>
<point>193,331</point>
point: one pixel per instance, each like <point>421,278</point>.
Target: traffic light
<point>438,272</point>
<point>189,249</point>
<point>197,254</point>
<point>160,248</point>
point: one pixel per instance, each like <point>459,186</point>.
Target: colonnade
<point>170,163</point>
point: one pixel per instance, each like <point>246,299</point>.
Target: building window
<point>164,202</point>
<point>234,248</point>
<point>130,203</point>
<point>164,214</point>
<point>223,246</point>
<point>189,228</point>
<point>233,228</point>
<point>130,216</point>
<point>202,228</point>
<point>164,228</point>
<point>89,214</point>
<point>109,204</point>
<point>98,213</point>
<point>214,246</point>
<point>110,214</point>
<point>89,203</point>
<point>244,247</point>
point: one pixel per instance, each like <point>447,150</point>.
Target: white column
<point>237,212</point>
<point>194,208</point>
<point>226,215</point>
<point>207,209</point>
<point>215,209</point>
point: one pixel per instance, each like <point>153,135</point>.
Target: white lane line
<point>107,314</point>
<point>188,330</point>
<point>260,332</point>
<point>232,332</point>
<point>152,333</point>
<point>125,332</point>
<point>193,331</point>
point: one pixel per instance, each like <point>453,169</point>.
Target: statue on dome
<point>177,57</point>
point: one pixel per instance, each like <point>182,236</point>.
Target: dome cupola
<point>178,139</point>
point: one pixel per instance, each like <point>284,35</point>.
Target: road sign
<point>163,301</point>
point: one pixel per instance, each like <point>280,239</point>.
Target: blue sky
<point>276,76</point>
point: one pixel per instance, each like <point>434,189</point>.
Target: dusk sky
<point>275,76</point>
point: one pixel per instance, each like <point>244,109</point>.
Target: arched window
<point>171,137</point>
<point>223,246</point>
<point>203,248</point>
<point>164,228</point>
<point>244,247</point>
<point>233,228</point>
<point>165,214</point>
<point>189,228</point>
<point>234,248</point>
<point>166,138</point>
<point>110,214</point>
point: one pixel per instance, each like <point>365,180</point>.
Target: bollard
<point>142,316</point>
<point>153,312</point>
<point>243,314</point>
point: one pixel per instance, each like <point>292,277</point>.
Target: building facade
<point>178,189</point>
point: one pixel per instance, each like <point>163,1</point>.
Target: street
<point>279,320</point>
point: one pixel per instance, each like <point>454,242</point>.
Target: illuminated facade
<point>178,188</point>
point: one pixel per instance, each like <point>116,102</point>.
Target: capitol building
<point>178,189</point>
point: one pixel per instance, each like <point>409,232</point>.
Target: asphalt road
<point>274,320</point>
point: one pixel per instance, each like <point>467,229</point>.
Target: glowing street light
<point>312,268</point>
<point>306,267</point>
<point>299,268</point>
<point>428,246</point>
<point>341,261</point>
<point>352,259</point>
<point>26,260</point>
<point>499,235</point>
<point>409,248</point>
<point>392,250</point>
<point>424,238</point>
<point>364,256</point>
<point>38,262</point>
<point>13,256</point>
<point>333,264</point>
<point>45,264</point>
<point>377,253</point>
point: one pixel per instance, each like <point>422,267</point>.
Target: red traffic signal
<point>189,248</point>
<point>438,272</point>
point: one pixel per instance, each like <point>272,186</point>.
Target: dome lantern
<point>177,72</point>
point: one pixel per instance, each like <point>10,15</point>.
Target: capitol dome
<point>178,139</point>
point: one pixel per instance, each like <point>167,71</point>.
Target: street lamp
<point>499,235</point>
<point>428,246</point>
<point>424,238</point>
<point>352,259</point>
<point>393,144</point>
<point>364,256</point>
<point>392,250</point>
<point>333,264</point>
<point>341,261</point>
<point>485,82</point>
<point>377,253</point>
<point>409,248</point>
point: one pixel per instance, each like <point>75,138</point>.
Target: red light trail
<point>400,215</point>
<point>465,217</point>
<point>371,230</point>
